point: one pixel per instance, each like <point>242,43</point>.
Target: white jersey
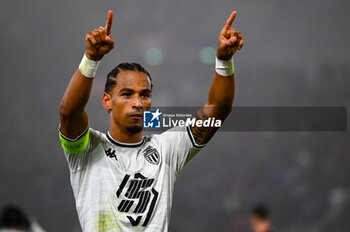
<point>127,187</point>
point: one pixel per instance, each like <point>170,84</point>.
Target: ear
<point>107,101</point>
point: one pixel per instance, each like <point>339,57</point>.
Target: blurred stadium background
<point>296,53</point>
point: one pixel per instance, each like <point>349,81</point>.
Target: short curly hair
<point>111,81</point>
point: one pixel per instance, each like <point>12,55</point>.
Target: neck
<point>124,136</point>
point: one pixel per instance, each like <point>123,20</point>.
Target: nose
<point>137,103</point>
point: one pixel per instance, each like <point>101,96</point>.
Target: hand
<point>229,40</point>
<point>99,41</point>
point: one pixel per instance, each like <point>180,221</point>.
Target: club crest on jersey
<point>151,155</point>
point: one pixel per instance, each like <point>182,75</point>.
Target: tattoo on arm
<point>202,135</point>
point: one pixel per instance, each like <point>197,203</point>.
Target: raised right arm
<point>73,118</point>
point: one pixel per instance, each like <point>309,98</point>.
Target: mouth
<point>136,116</point>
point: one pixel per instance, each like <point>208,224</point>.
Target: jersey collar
<point>115,142</point>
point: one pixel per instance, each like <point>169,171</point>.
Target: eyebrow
<point>131,90</point>
<point>126,90</point>
<point>146,91</point>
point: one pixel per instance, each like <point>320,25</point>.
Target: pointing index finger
<point>230,20</point>
<point>109,21</point>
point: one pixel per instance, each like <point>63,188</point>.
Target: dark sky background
<point>296,53</point>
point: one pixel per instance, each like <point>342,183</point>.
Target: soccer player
<point>260,218</point>
<point>123,180</point>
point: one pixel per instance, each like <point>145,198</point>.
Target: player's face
<point>129,98</point>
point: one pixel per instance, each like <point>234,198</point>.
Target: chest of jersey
<point>131,180</point>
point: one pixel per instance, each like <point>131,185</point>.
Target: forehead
<point>132,80</point>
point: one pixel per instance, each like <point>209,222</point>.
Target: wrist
<point>223,57</point>
<point>91,57</point>
<point>224,67</point>
<point>88,67</point>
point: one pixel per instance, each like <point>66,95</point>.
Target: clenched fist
<point>229,40</point>
<point>99,41</point>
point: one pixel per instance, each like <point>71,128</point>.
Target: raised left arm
<point>222,90</point>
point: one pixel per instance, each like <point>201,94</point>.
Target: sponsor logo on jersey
<point>138,198</point>
<point>151,155</point>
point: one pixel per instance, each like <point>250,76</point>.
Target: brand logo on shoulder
<point>111,154</point>
<point>151,155</point>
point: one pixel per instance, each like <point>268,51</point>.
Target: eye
<point>146,95</point>
<point>126,94</point>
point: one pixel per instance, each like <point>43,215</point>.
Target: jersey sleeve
<point>77,150</point>
<point>180,146</point>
